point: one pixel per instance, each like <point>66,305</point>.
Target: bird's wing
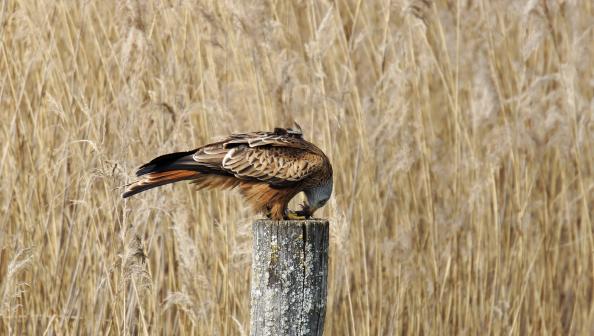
<point>278,166</point>
<point>279,158</point>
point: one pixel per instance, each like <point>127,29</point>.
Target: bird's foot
<point>295,215</point>
<point>304,213</point>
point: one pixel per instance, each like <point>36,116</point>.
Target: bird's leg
<point>278,211</point>
<point>268,212</point>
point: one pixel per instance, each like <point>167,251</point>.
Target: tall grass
<point>461,134</point>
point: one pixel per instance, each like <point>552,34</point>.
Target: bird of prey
<point>269,168</point>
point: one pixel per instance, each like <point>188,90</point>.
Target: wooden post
<point>289,277</point>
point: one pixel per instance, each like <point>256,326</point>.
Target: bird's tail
<point>163,170</point>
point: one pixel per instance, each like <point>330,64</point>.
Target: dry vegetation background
<point>461,133</point>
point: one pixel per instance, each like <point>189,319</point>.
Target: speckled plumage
<point>269,168</point>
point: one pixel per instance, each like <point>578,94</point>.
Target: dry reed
<point>461,133</point>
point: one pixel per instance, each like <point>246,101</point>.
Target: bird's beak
<point>312,210</point>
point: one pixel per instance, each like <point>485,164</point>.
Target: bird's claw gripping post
<point>304,213</point>
<point>294,215</point>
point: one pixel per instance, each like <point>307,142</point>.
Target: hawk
<point>268,168</point>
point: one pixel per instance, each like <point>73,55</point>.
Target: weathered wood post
<point>289,277</point>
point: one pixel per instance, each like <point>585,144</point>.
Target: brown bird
<point>269,168</point>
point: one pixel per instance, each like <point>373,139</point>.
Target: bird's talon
<point>294,216</point>
<point>305,211</point>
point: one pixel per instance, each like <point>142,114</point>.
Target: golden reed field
<point>461,134</point>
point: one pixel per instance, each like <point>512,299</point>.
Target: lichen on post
<point>289,277</point>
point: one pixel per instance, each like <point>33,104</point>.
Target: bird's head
<point>316,198</point>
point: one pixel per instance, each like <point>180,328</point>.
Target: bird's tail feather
<point>165,169</point>
<point>153,180</point>
<point>169,162</point>
<point>174,167</point>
